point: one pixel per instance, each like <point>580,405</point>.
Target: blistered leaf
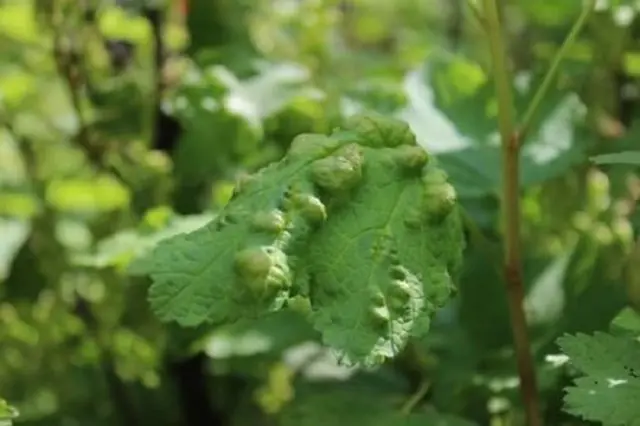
<point>361,222</point>
<point>396,246</point>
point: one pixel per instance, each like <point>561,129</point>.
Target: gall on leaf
<point>361,224</point>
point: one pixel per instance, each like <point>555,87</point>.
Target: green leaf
<point>627,320</point>
<point>7,413</point>
<point>361,222</point>
<point>609,389</point>
<point>457,122</point>
<point>128,247</point>
<point>545,298</point>
<point>476,170</point>
<point>593,297</point>
<point>14,234</point>
<point>626,157</point>
<point>341,405</point>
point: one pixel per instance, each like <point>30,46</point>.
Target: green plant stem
<point>510,208</point>
<point>544,87</point>
<point>476,13</point>
<point>415,398</point>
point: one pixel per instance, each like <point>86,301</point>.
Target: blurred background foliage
<point>124,122</point>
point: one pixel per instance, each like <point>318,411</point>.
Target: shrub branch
<point>510,208</point>
<point>543,89</point>
<point>512,138</point>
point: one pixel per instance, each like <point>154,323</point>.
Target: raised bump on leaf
<point>441,293</point>
<point>262,269</point>
<point>241,183</point>
<point>377,298</point>
<point>271,221</point>
<point>301,305</point>
<point>396,303</point>
<point>310,145</point>
<point>399,293</point>
<point>341,171</point>
<point>378,131</point>
<point>434,177</point>
<point>379,316</point>
<point>439,201</point>
<point>411,157</point>
<point>396,272</point>
<point>310,207</point>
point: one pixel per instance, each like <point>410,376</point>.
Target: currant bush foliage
<point>359,228</point>
<point>609,389</point>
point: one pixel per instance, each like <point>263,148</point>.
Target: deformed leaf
<point>236,265</point>
<point>361,223</point>
<point>609,391</point>
<point>383,263</point>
